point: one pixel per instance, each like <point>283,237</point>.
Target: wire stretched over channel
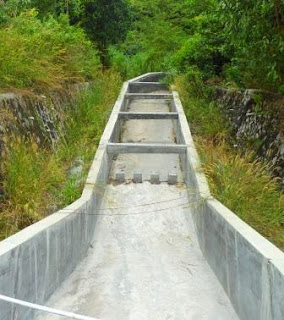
<point>142,204</point>
<point>185,205</point>
<point>38,307</point>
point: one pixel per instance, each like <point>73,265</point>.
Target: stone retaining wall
<point>41,116</point>
<point>257,119</point>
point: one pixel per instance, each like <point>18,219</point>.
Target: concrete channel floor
<point>150,105</point>
<point>148,131</point>
<point>144,262</point>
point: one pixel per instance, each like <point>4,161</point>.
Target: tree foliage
<point>236,41</point>
<point>255,33</point>
<point>44,53</point>
<point>105,22</point>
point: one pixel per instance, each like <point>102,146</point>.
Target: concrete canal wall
<point>35,261</point>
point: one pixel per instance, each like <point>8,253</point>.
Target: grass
<point>238,180</point>
<point>35,53</point>
<point>37,181</point>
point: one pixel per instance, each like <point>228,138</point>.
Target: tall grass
<point>35,53</point>
<point>243,184</point>
<point>202,113</point>
<point>38,181</point>
<point>238,180</point>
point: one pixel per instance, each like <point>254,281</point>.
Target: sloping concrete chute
<point>146,240</point>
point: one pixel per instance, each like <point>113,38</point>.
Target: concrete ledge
<point>145,87</point>
<point>35,261</point>
<point>245,263</point>
<point>155,96</point>
<point>149,77</point>
<point>147,115</point>
<point>118,148</point>
<point>249,267</point>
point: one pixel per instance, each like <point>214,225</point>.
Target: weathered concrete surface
<point>163,164</point>
<point>146,87</point>
<point>145,262</point>
<point>149,105</point>
<point>249,267</point>
<point>36,260</point>
<point>146,131</point>
<point>133,270</point>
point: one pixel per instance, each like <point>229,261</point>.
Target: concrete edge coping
<point>29,232</point>
<point>117,148</point>
<point>148,115</point>
<point>143,76</point>
<point>261,244</point>
<point>34,229</point>
<point>150,84</point>
<point>106,136</point>
<point>145,96</point>
<point>192,154</point>
<point>8,96</point>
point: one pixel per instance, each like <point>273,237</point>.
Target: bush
<point>44,53</point>
<point>254,30</point>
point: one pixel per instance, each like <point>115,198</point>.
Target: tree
<point>72,8</point>
<point>255,33</point>
<point>106,22</point>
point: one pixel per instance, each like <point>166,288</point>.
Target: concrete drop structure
<point>146,240</point>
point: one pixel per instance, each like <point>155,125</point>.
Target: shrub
<point>44,53</point>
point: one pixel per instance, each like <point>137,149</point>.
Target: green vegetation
<point>236,179</point>
<point>105,23</point>
<point>46,43</point>
<point>49,53</point>
<point>232,43</point>
<point>239,42</point>
<point>243,185</point>
<point>31,191</point>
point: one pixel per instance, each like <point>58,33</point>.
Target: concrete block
<point>172,178</point>
<point>120,177</point>
<point>34,262</point>
<point>146,87</point>
<point>116,148</point>
<point>150,77</point>
<point>147,116</point>
<point>137,177</point>
<point>157,96</point>
<point>277,290</point>
<point>155,178</point>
